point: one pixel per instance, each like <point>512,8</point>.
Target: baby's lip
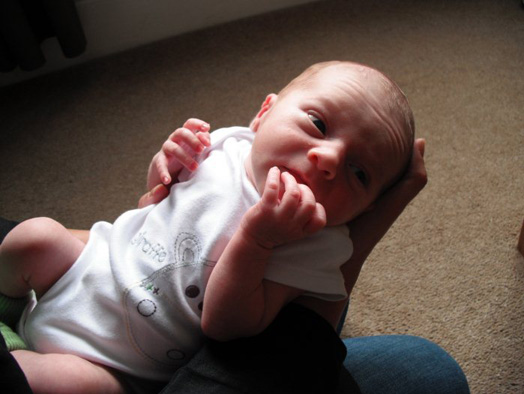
<point>298,177</point>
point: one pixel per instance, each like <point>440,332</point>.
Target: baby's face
<point>334,136</point>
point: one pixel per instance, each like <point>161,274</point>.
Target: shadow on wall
<point>26,23</point>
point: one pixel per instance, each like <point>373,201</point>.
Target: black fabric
<point>12,378</point>
<point>24,24</point>
<point>5,227</point>
<point>298,353</point>
<point>346,383</point>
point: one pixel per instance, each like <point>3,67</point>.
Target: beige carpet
<point>76,145</point>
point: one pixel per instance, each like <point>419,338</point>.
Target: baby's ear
<point>266,105</point>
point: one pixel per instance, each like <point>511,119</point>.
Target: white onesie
<point>133,299</point>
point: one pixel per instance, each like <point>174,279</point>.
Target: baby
<point>255,218</point>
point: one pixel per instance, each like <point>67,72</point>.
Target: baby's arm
<point>177,152</point>
<point>239,301</point>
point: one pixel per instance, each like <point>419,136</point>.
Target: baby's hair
<point>397,102</point>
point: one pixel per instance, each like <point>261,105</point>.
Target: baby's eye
<point>361,175</point>
<point>318,123</point>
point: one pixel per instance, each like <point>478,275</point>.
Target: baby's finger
<point>271,188</point>
<point>154,196</point>
<point>187,139</point>
<point>318,220</point>
<point>291,197</point>
<point>177,152</point>
<point>195,125</point>
<point>307,204</point>
<point>204,137</point>
<point>162,169</point>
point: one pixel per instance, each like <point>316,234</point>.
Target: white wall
<point>112,26</point>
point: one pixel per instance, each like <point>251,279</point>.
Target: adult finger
<point>416,176</point>
<point>420,145</point>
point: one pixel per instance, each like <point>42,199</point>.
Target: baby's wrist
<point>255,241</point>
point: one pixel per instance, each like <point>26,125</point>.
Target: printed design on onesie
<point>163,311</point>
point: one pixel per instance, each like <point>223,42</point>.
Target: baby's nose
<point>326,160</point>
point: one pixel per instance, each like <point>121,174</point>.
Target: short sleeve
<point>313,263</point>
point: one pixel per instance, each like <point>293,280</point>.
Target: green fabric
<point>10,312</point>
<point>12,339</point>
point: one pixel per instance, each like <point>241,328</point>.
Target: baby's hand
<point>178,151</point>
<point>274,221</point>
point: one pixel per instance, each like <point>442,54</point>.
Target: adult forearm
<point>369,228</point>
<point>368,232</point>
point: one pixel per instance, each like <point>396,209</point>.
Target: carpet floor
<point>76,145</point>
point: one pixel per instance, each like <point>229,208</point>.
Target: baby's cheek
<point>339,213</point>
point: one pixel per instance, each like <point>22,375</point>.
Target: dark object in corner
<point>24,24</point>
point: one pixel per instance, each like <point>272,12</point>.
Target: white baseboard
<point>113,26</point>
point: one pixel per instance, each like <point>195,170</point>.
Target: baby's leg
<point>65,373</point>
<point>34,255</point>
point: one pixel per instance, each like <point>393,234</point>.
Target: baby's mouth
<point>296,175</point>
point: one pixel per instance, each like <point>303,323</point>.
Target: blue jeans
<point>301,353</point>
<point>402,364</point>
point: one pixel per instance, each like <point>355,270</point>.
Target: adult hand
<point>369,228</point>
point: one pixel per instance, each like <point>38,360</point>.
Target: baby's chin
<point>334,220</point>
<point>331,223</point>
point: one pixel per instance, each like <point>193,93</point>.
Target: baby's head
<point>341,128</point>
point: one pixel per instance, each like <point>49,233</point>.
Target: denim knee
<point>403,364</point>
